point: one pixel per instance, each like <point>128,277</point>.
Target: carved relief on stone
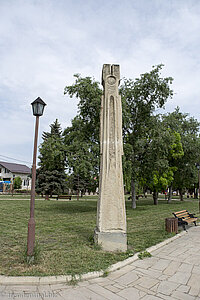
<point>111,216</point>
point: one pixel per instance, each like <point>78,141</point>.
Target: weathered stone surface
<point>180,277</point>
<point>104,292</point>
<point>111,216</point>
<point>127,279</point>
<point>130,294</point>
<point>172,268</point>
<point>181,296</point>
<point>166,287</point>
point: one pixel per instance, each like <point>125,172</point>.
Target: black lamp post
<point>38,108</point>
<point>198,168</point>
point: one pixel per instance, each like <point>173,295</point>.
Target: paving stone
<point>83,283</point>
<point>145,290</point>
<point>150,297</point>
<point>146,263</point>
<point>163,277</point>
<point>121,287</point>
<point>161,265</point>
<point>118,273</point>
<point>101,281</point>
<point>90,294</point>
<point>182,296</point>
<point>104,292</point>
<point>194,291</point>
<point>195,260</point>
<point>112,288</point>
<point>127,278</point>
<point>166,287</point>
<point>183,288</point>
<point>180,277</point>
<point>186,268</point>
<point>130,293</point>
<point>75,295</point>
<point>172,268</point>
<point>196,270</point>
<point>155,287</point>
<point>194,281</point>
<point>59,286</point>
<point>150,272</point>
<point>161,296</point>
<point>146,282</point>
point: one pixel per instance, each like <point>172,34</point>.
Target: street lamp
<point>198,168</point>
<point>38,108</point>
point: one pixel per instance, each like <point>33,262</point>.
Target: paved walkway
<point>173,272</point>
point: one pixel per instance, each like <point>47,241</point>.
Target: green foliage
<point>35,258</point>
<point>17,183</point>
<point>144,254</point>
<point>51,177</point>
<point>81,139</point>
<point>185,172</point>
<point>140,98</point>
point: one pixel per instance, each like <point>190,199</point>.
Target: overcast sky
<point>44,42</point>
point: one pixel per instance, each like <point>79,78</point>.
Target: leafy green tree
<point>51,173</point>
<point>140,98</point>
<point>81,139</point>
<point>17,183</point>
<point>163,147</point>
<point>188,128</point>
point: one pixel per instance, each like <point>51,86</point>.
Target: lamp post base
<point>31,237</point>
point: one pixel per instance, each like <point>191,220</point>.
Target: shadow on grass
<point>70,207</point>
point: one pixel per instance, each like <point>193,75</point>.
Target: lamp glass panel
<point>38,109</point>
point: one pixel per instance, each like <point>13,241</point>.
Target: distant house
<point>8,172</point>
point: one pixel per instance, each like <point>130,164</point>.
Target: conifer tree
<point>51,173</point>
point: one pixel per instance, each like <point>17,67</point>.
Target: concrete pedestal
<point>111,241</point>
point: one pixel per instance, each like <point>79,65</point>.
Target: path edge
<point>64,279</point>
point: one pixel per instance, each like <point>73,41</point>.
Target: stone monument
<point>110,232</point>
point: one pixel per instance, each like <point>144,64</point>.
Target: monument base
<point>111,241</point>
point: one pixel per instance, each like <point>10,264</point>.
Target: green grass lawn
<point>64,234</point>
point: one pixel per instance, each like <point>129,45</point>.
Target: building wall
<point>5,174</point>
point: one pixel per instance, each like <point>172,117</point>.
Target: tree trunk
<point>155,197</point>
<point>133,194</point>
<point>170,194</point>
<point>181,194</point>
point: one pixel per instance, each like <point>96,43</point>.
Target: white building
<point>8,172</point>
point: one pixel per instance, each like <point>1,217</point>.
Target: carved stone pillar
<point>111,215</point>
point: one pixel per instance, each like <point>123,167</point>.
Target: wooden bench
<point>185,218</point>
<point>64,197</point>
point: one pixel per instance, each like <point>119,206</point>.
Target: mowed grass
<point>64,234</point>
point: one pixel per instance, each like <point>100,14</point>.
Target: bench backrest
<point>182,214</point>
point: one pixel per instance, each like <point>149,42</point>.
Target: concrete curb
<point>32,280</point>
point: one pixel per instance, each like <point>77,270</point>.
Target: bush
<point>17,182</point>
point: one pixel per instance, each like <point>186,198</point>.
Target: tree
<point>162,148</point>
<point>81,139</point>
<point>140,98</point>
<point>17,183</point>
<point>188,128</point>
<point>51,173</point>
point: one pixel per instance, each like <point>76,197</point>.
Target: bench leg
<point>184,227</point>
